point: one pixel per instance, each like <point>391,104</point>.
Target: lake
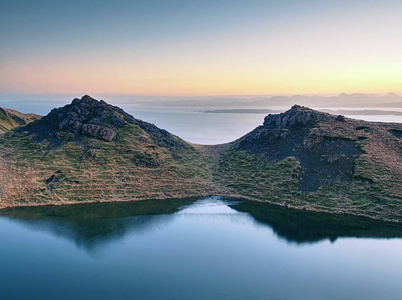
<point>206,248</point>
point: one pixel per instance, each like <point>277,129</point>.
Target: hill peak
<point>86,99</point>
<point>296,116</point>
<point>90,117</point>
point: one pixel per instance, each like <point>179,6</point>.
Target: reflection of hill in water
<point>309,227</point>
<point>92,226</point>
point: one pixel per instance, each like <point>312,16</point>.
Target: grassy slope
<point>134,167</point>
<point>375,191</point>
<point>10,119</point>
<point>97,170</point>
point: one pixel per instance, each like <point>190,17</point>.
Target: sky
<point>200,48</point>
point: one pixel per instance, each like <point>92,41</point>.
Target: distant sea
<point>191,122</point>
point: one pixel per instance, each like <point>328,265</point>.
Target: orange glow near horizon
<point>202,80</point>
<point>255,49</point>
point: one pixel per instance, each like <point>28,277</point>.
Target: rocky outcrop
<point>95,119</point>
<point>297,116</point>
<point>89,117</point>
<point>296,133</point>
<point>98,131</point>
<point>91,151</point>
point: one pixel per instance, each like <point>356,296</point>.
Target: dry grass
<point>133,167</point>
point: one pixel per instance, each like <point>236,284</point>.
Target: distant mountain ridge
<point>390,100</point>
<point>342,100</point>
<point>91,151</point>
<point>363,112</point>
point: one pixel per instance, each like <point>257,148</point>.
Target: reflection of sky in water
<point>195,250</point>
<point>210,205</point>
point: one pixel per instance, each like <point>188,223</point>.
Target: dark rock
<point>396,133</point>
<point>297,116</point>
<point>163,138</point>
<point>144,139</point>
<point>98,120</point>
<point>85,116</point>
<point>53,180</point>
<point>98,131</point>
<point>297,133</point>
<point>315,136</point>
<point>340,118</point>
<point>148,159</point>
<point>362,127</point>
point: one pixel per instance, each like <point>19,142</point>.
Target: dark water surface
<point>209,248</point>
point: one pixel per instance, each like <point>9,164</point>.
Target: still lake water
<point>208,248</point>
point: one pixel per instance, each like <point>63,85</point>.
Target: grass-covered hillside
<point>310,160</point>
<point>10,119</point>
<point>90,151</point>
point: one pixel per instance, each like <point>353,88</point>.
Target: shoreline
<point>232,197</point>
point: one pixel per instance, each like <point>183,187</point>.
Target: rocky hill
<point>10,119</point>
<point>90,151</point>
<point>315,161</point>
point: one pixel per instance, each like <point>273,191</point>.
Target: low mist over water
<point>215,120</point>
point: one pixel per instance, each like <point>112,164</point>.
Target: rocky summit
<point>83,117</point>
<point>90,151</point>
<point>323,159</point>
<point>311,160</point>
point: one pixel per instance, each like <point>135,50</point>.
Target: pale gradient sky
<point>200,47</point>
